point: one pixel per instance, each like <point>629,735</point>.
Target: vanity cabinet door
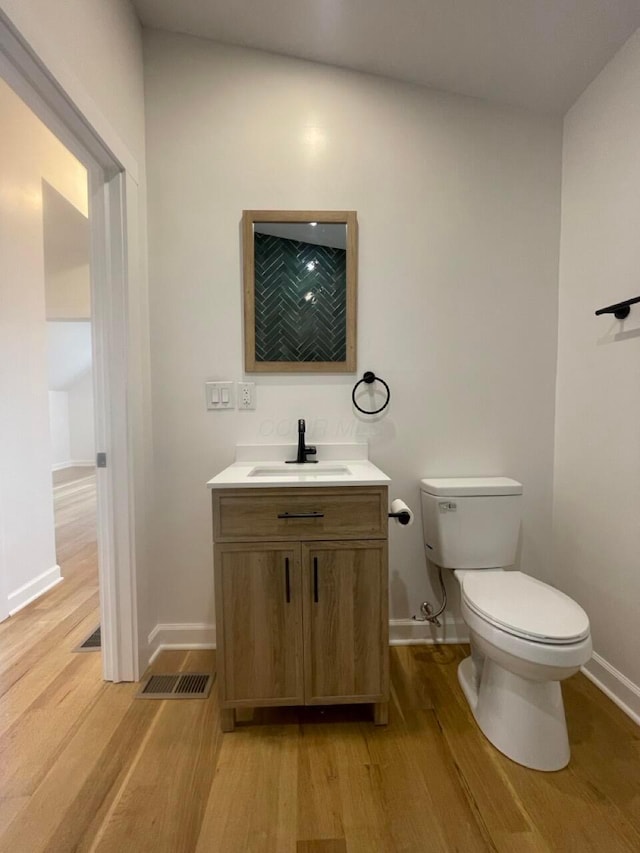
<point>345,600</point>
<point>259,609</point>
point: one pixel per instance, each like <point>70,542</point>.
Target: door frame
<point>71,115</point>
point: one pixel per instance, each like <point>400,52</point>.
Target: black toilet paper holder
<point>402,516</point>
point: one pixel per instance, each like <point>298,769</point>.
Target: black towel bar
<point>620,310</point>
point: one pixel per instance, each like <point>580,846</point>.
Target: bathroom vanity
<point>301,583</point>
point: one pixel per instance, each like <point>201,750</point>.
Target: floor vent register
<point>92,643</point>
<point>184,685</point>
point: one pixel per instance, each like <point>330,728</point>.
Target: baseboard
<point>187,635</point>
<point>409,632</point>
<point>620,689</point>
<point>33,589</point>
<point>402,632</point>
<point>74,463</point>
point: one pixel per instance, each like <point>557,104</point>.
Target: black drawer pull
<point>286,580</point>
<point>300,515</point>
<point>315,579</point>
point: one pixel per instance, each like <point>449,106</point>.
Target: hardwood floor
<point>70,475</point>
<point>84,767</point>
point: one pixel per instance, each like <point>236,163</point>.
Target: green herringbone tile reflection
<point>300,292</point>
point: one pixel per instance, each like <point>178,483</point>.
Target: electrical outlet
<point>246,395</point>
<point>220,395</point>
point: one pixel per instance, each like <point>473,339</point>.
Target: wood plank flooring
<point>84,767</point>
<point>72,475</point>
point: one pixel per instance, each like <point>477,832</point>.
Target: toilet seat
<point>525,607</point>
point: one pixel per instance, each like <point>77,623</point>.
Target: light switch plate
<point>220,395</point>
<point>246,395</point>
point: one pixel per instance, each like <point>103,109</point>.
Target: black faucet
<point>303,450</point>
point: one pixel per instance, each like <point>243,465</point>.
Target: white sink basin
<point>263,467</point>
<point>309,470</point>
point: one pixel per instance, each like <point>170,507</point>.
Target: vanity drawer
<point>290,514</point>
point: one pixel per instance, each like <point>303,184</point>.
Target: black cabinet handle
<point>287,583</point>
<point>300,515</point>
<point>315,579</point>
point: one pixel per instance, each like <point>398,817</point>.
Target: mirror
<point>300,274</point>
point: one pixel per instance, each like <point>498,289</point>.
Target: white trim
<point>410,632</point>
<point>36,587</point>
<point>115,489</point>
<point>74,463</point>
<point>187,635</point>
<point>402,632</point>
<point>620,689</point>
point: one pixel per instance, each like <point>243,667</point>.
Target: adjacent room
<point>67,285</point>
<point>319,346</point>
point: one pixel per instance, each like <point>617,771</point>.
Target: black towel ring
<point>368,378</point>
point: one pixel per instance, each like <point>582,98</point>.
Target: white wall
<point>94,45</point>
<point>81,420</point>
<point>93,49</point>
<point>68,352</point>
<point>71,422</point>
<point>59,428</point>
<point>67,274</point>
<point>597,466</point>
<point>458,204</point>
<point>69,368</point>
<point>67,294</point>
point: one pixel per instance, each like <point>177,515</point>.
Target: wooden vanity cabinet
<point>302,619</point>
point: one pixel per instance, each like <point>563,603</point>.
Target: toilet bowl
<point>526,636</point>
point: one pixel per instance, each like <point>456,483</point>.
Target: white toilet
<point>526,636</point>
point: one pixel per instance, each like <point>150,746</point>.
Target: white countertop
<point>263,466</point>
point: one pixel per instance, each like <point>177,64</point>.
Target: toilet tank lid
<point>470,486</point>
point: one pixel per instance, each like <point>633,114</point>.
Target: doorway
<point>50,553</point>
<point>67,288</point>
<point>111,197</point>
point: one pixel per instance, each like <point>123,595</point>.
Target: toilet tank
<point>471,522</point>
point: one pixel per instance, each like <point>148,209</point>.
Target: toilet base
<point>524,719</point>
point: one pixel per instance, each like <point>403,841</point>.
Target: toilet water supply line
<point>426,608</point>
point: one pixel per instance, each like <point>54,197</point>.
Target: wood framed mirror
<point>300,290</point>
